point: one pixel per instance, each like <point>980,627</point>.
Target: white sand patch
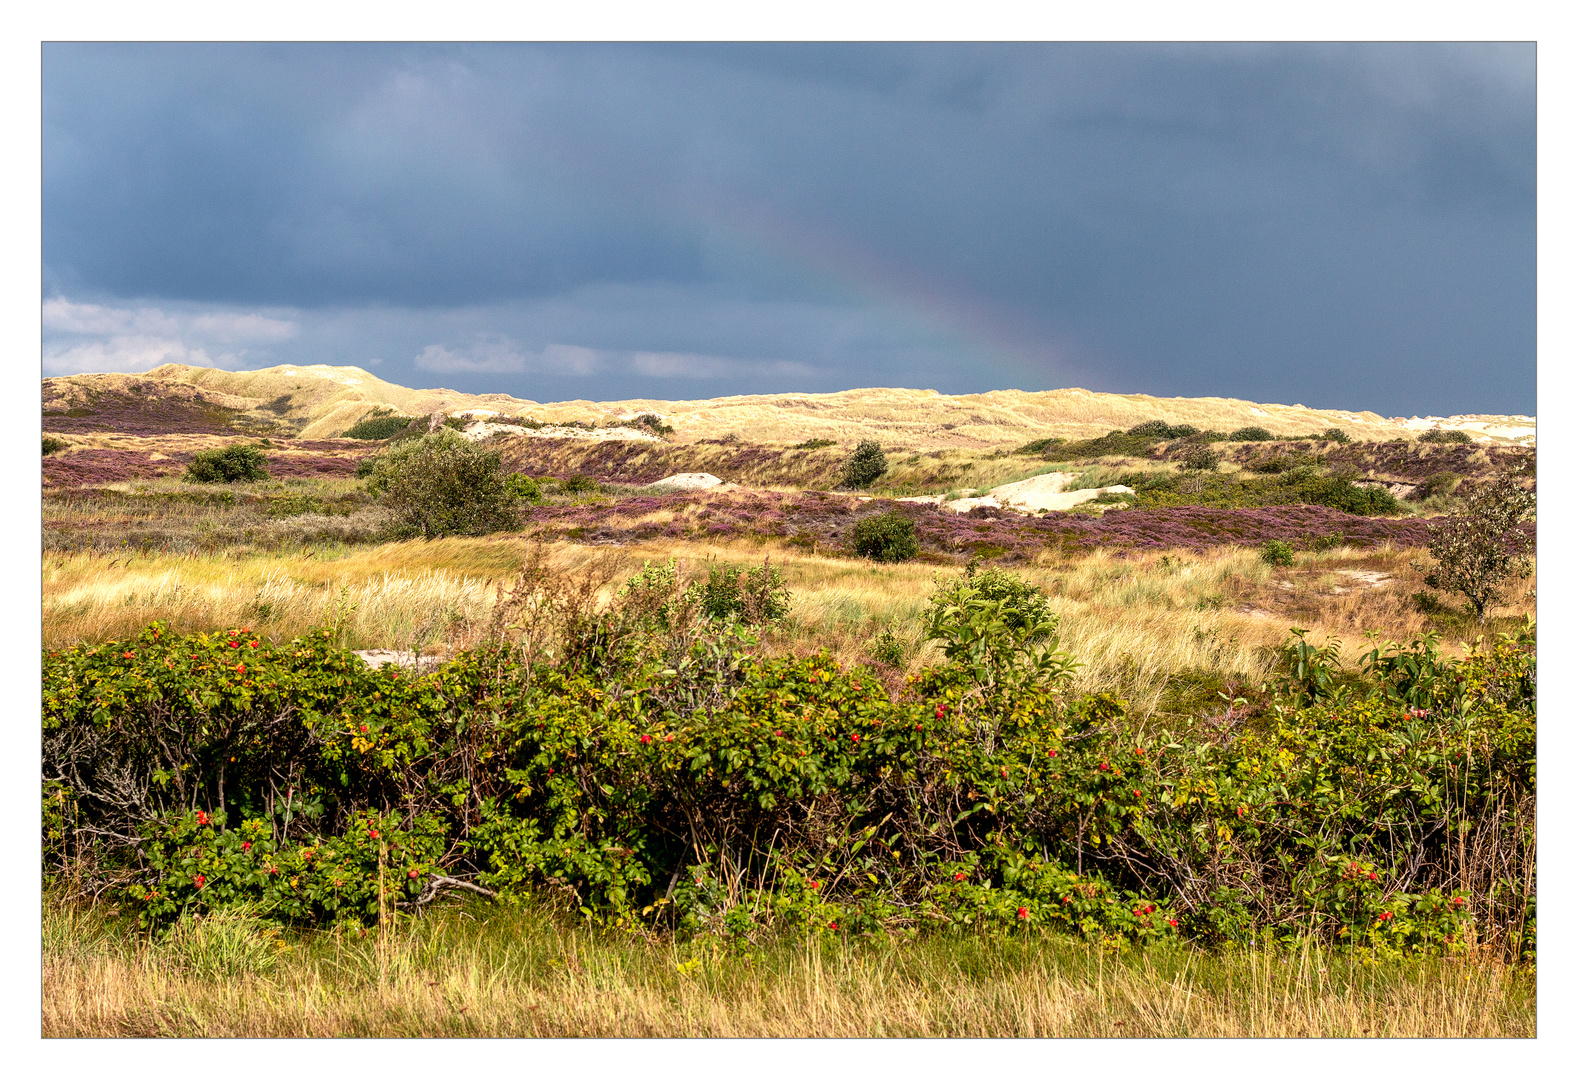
<point>1044,492</point>
<point>377,658</point>
<point>482,429</point>
<point>689,481</point>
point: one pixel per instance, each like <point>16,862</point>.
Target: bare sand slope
<point>1044,492</point>
<point>324,400</point>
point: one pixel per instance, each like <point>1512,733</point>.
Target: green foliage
<point>1336,435</point>
<point>1039,446</point>
<point>1161,429</point>
<point>227,465</point>
<point>862,468</point>
<point>53,446</point>
<point>1200,458</point>
<point>660,775</point>
<point>888,537</point>
<point>888,649</point>
<point>999,629</point>
<point>442,485</point>
<point>813,444</point>
<point>579,485</point>
<point>1303,484</point>
<point>653,423</point>
<point>756,595</point>
<point>524,487</point>
<point>380,425</point>
<point>1277,553</point>
<point>1250,434</point>
<point>1448,436</point>
<point>1482,549</point>
<point>1440,483</point>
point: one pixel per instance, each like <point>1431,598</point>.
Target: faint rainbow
<point>979,328</point>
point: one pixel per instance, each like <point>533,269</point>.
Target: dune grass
<point>523,971</point>
<point>1146,627</point>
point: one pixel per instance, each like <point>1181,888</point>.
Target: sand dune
<point>320,401</point>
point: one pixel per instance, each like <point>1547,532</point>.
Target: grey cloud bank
<point>1343,226</point>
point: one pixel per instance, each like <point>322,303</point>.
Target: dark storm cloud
<point>1337,225</point>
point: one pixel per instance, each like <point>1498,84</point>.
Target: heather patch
<point>99,467</point>
<point>822,521</point>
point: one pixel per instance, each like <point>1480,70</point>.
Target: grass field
<point>523,972</point>
<point>1154,628</point>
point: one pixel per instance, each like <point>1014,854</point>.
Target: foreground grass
<point>520,972</point>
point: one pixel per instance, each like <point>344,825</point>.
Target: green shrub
<point>228,465</point>
<point>653,423</point>
<point>579,485</point>
<point>1200,458</point>
<point>761,597</point>
<point>1022,607</point>
<point>1441,483</point>
<point>888,649</point>
<point>680,781</point>
<point>443,485</point>
<point>1277,553</point>
<point>1161,429</point>
<point>1251,434</point>
<point>53,446</point>
<point>1447,435</point>
<point>524,487</point>
<point>813,444</point>
<point>864,466</point>
<point>377,427</point>
<point>1038,446</point>
<point>888,537</point>
<point>1336,435</point>
<point>1480,550</point>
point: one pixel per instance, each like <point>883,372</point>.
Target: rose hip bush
<point>645,764</point>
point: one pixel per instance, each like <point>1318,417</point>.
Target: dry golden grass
<point>1135,623</point>
<point>518,972</point>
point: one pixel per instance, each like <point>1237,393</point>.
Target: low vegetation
<point>1221,755</point>
<point>539,971</point>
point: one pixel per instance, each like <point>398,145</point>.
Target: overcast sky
<point>1341,226</point>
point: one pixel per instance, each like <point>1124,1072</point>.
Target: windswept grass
<point>516,972</point>
<point>1138,624</point>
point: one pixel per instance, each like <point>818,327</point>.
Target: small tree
<point>1481,549</point>
<point>863,466</point>
<point>442,485</point>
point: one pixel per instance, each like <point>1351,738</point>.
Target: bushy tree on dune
<point>442,485</point>
<point>1482,549</point>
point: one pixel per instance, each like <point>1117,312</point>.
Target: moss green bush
<point>53,446</point>
<point>378,427</point>
<point>232,464</point>
<point>1447,436</point>
<point>888,537</point>
<point>1277,553</point>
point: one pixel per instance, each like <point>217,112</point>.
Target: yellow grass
<point>1134,623</point>
<point>519,972</point>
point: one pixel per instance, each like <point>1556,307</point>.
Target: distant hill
<point>321,401</point>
